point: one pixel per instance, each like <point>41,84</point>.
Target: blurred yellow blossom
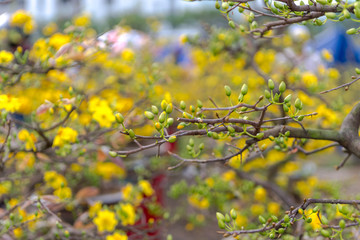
<point>273,208</point>
<point>105,221</point>
<point>19,18</point>
<point>63,193</point>
<point>58,40</point>
<point>127,214</point>
<point>28,138</point>
<point>327,55</point>
<point>146,188</point>
<point>117,236</point>
<point>54,179</point>
<point>82,20</point>
<point>260,194</point>
<point>309,79</point>
<point>6,57</point>
<point>49,29</point>
<point>108,170</point>
<point>198,201</point>
<point>94,209</point>
<point>65,135</point>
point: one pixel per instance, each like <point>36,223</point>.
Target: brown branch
<point>346,85</point>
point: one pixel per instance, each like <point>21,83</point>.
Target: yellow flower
<point>315,223</point>
<point>127,214</point>
<point>54,180</point>
<point>309,79</point>
<point>9,103</point>
<point>105,221</point>
<point>82,20</point>
<point>6,57</point>
<point>146,188</point>
<point>58,40</point>
<point>229,175</point>
<point>128,55</point>
<point>19,18</point>
<point>49,29</point>
<point>257,209</point>
<point>94,209</point>
<point>29,27</point>
<point>327,55</point>
<point>18,232</point>
<point>64,136</point>
<point>108,170</point>
<point>241,220</point>
<point>117,236</point>
<point>5,187</point>
<point>260,194</point>
<point>63,193</point>
<point>28,138</point>
<point>273,208</point>
<point>198,201</point>
<point>104,116</point>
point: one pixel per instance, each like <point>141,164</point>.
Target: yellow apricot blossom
<point>117,236</point>
<point>5,187</point>
<point>49,29</point>
<point>6,57</point>
<point>127,214</point>
<point>82,20</point>
<point>65,135</point>
<point>105,221</point>
<point>94,209</point>
<point>199,201</point>
<point>19,18</point>
<point>28,138</point>
<point>54,179</point>
<point>63,193</point>
<point>309,79</point>
<point>58,40</point>
<point>146,188</point>
<point>108,170</point>
<point>9,103</point>
<point>260,194</point>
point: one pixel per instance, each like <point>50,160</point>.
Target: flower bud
<point>182,105</point>
<point>286,108</point>
<point>191,142</point>
<point>301,117</point>
<point>262,219</point>
<point>217,5</point>
<point>351,31</point>
<point>286,218</point>
<point>154,109</point>
<point>230,129</point>
<point>119,118</point>
<point>244,89</point>
<point>267,94</point>
<point>199,104</point>
<point>163,105</point>
<point>162,117</point>
<point>225,5</point>
<point>227,90</point>
<point>215,135</point>
<point>298,103</point>
<point>219,216</point>
<point>322,2</point>
<point>113,153</point>
<point>232,24</point>
<point>227,218</point>
<point>233,214</point>
<point>271,84</point>
<point>330,15</point>
<point>172,139</point>
<point>282,87</point>
<point>325,233</point>
<point>309,220</point>
<point>157,126</point>
<point>170,121</point>
<point>342,224</point>
<point>346,13</point>
<point>131,133</point>
<point>149,115</point>
<point>181,125</point>
<point>241,97</point>
<point>259,135</point>
<point>169,108</point>
<point>287,98</point>
<point>201,146</point>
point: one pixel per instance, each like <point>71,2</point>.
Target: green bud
<point>278,5</point>
<point>267,94</point>
<point>271,84</point>
<point>233,214</point>
<point>300,118</point>
<point>286,108</point>
<point>163,105</point>
<point>217,5</point>
<point>281,230</point>
<point>209,134</point>
<point>240,9</point>
<point>282,87</point>
<point>113,153</point>
<point>254,25</point>
<point>172,139</point>
<point>241,97</point>
<point>287,98</point>
<point>322,2</point>
<point>272,235</point>
<point>199,104</point>
<point>170,121</point>
<point>259,135</point>
<point>182,105</point>
<point>232,24</point>
<point>149,115</point>
<point>342,224</point>
<point>309,220</point>
<point>230,129</point>
<point>191,142</point>
<point>243,109</point>
<point>221,224</point>
<point>215,135</point>
<point>244,89</point>
<point>227,90</point>
<point>225,5</point>
<point>276,97</point>
<point>189,148</point>
<point>351,31</point>
<point>315,209</point>
<point>346,13</point>
<point>274,218</point>
<point>227,218</point>
<point>201,146</point>
<point>169,237</point>
<point>330,15</point>
<point>157,126</point>
<point>286,218</point>
<point>251,17</point>
<point>287,133</point>
<point>131,133</point>
<point>59,226</point>
<point>154,109</point>
<point>119,117</point>
<point>342,18</point>
<point>262,219</point>
<point>162,117</point>
<point>169,108</point>
<point>298,103</point>
<point>219,216</point>
<point>325,233</point>
<point>357,70</point>
<point>324,220</point>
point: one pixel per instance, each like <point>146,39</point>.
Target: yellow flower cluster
<point>6,57</point>
<point>199,201</point>
<point>54,179</point>
<point>146,188</point>
<point>101,112</point>
<point>108,170</point>
<point>105,221</point>
<point>82,20</point>
<point>127,214</point>
<point>309,79</point>
<point>28,138</point>
<point>23,19</point>
<point>64,136</point>
<point>117,236</point>
<point>9,103</point>
<point>5,187</point>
